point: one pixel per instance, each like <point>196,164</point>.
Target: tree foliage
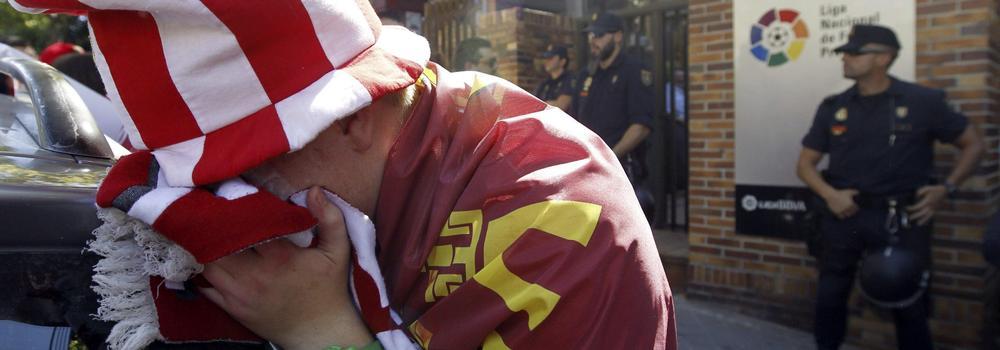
<point>42,30</point>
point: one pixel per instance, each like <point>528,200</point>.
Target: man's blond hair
<point>404,99</point>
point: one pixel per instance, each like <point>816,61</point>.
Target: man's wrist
<point>344,328</point>
<point>827,193</point>
<point>950,189</point>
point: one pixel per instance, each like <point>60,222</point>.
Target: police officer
<point>475,54</point>
<point>879,135</point>
<point>558,89</point>
<point>616,100</point>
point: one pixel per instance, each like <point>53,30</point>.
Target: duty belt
<point>895,205</point>
<point>868,201</point>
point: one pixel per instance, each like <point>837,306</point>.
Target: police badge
<point>586,87</point>
<point>647,78</point>
<point>841,114</point>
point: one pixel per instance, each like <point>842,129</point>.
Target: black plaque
<point>772,211</point>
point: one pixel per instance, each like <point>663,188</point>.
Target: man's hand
<point>929,198</point>
<point>630,140</point>
<point>295,297</point>
<point>841,203</point>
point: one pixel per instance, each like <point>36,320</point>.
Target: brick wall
<point>446,23</point>
<point>774,278</point>
<point>519,36</point>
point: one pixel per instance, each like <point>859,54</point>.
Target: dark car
<point>52,159</point>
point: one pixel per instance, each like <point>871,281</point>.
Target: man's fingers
<point>916,207</point>
<point>921,205</point>
<point>846,213</point>
<point>849,211</point>
<point>280,249</point>
<point>923,216</point>
<point>332,235</point>
<point>226,301</point>
<point>213,295</point>
<point>923,219</point>
<point>234,264</point>
<point>219,278</point>
<point>921,192</point>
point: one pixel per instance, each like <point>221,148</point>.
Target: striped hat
<point>216,87</point>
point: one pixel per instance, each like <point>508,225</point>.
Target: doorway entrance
<point>657,35</point>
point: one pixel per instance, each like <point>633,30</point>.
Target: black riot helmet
<point>894,277</point>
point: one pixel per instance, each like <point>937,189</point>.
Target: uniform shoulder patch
<point>647,77</point>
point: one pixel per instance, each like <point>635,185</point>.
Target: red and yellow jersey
<point>503,223</point>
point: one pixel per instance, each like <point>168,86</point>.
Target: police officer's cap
<point>604,23</point>
<point>863,34</point>
<point>556,50</point>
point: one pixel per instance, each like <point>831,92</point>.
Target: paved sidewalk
<point>704,326</point>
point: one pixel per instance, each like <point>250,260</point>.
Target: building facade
<point>956,50</point>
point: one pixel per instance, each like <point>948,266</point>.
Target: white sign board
<point>784,65</point>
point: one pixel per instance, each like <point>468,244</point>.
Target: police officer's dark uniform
<point>991,241</point>
<point>565,84</point>
<point>612,99</point>
<point>882,146</point>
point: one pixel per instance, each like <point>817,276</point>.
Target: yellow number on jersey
<point>569,220</point>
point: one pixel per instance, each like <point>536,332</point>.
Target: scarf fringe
<point>131,252</point>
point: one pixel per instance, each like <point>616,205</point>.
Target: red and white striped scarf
<point>213,88</point>
<point>194,79</point>
<point>152,255</point>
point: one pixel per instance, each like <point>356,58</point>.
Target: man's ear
<point>359,129</point>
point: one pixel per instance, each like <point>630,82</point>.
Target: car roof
<point>23,162</point>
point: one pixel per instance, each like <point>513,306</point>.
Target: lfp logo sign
<point>778,37</point>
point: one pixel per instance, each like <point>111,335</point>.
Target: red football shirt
<point>504,223</point>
